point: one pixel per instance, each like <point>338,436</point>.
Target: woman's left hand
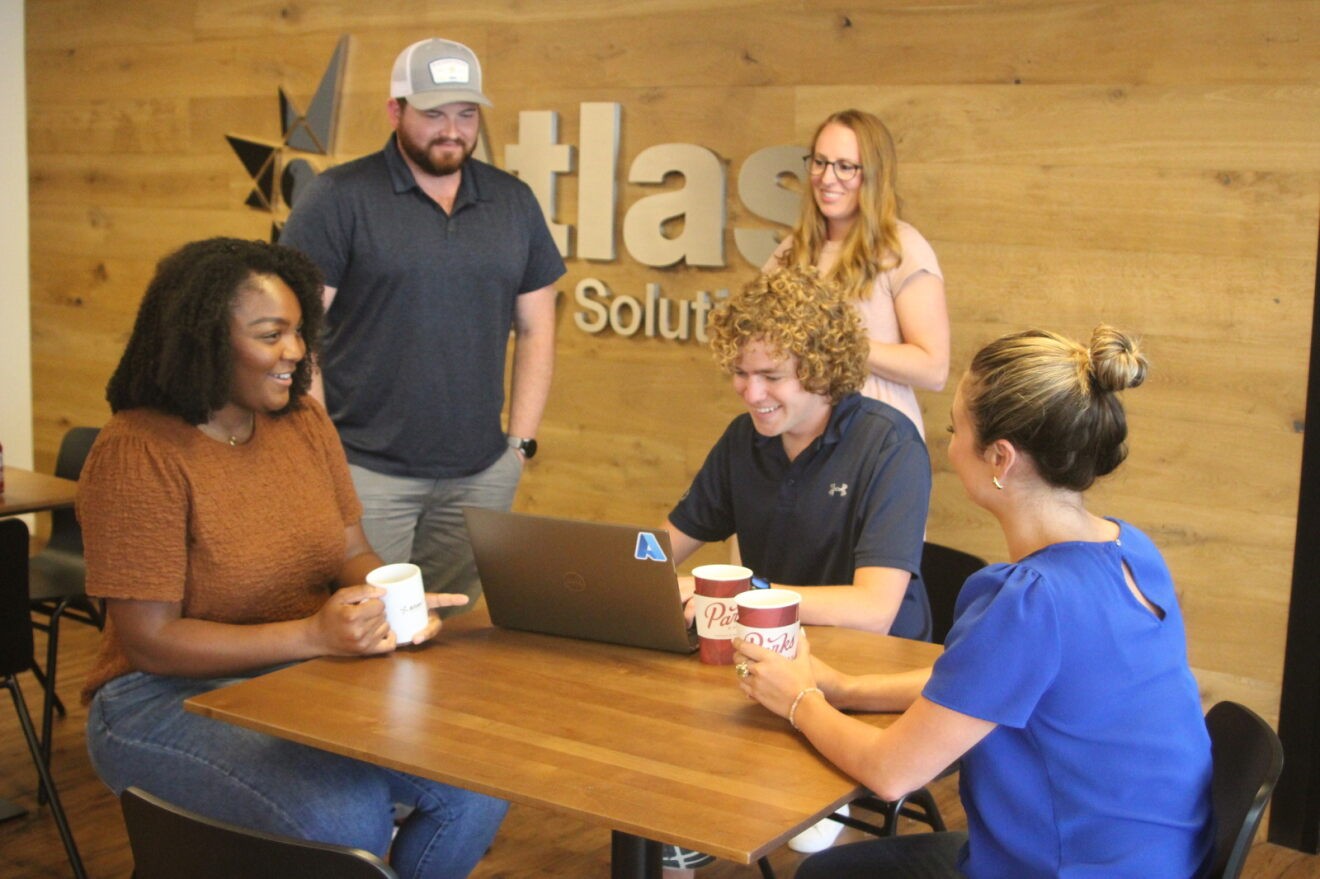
<point>772,679</point>
<point>434,601</point>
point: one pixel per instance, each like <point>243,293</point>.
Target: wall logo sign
<point>663,229</point>
<point>280,171</point>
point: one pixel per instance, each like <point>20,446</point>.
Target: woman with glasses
<point>850,230</point>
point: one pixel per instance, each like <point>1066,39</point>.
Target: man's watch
<point>526,445</point>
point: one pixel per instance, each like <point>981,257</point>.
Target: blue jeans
<point>420,520</point>
<point>139,734</point>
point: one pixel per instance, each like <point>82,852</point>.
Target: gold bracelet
<point>793,709</point>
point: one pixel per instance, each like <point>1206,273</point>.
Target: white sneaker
<point>818,836</point>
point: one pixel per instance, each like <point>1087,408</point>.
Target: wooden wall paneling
<point>142,180</point>
<point>113,287</point>
<point>1229,127</point>
<point>1043,41</point>
<point>67,26</point>
<point>656,50</point>
<point>1123,209</point>
<point>243,18</point>
<point>111,126</point>
<point>132,232</point>
<point>181,70</point>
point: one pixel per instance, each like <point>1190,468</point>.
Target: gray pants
<point>420,520</point>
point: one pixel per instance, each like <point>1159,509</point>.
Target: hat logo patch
<point>445,70</point>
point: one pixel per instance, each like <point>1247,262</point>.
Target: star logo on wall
<point>278,173</point>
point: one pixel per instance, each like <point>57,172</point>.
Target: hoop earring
<point>999,485</point>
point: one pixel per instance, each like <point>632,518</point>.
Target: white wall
<point>15,322</point>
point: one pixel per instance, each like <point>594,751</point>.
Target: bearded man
<point>430,257</point>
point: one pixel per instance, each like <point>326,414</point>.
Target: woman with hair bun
<point>1064,687</point>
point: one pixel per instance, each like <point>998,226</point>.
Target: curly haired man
<point>826,490</point>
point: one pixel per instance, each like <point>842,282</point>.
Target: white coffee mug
<point>405,600</point>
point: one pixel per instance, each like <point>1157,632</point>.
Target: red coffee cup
<point>769,619</point>
<point>716,613</point>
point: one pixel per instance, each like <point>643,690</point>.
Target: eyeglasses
<point>843,169</point>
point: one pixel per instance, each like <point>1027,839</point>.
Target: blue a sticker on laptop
<point>648,548</point>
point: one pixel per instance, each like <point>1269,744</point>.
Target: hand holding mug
<point>351,623</point>
<point>773,679</point>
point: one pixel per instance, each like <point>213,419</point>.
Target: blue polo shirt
<point>858,496</point>
<point>1100,765</point>
<point>414,349</point>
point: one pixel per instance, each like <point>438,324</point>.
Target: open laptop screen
<point>591,580</point>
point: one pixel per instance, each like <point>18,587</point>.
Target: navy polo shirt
<point>414,350</point>
<point>857,497</point>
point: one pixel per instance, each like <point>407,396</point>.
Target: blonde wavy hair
<point>1056,400</point>
<point>795,313</point>
<point>871,245</point>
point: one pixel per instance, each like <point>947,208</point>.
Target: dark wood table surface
<point>654,746</point>
<point>29,492</point>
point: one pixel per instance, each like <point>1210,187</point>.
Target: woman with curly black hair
<point>221,527</point>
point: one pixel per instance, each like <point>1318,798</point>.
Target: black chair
<point>57,578</point>
<point>943,572</point>
<point>16,656</point>
<point>173,843</point>
<point>1248,758</point>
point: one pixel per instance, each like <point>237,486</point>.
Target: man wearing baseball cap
<point>430,256</point>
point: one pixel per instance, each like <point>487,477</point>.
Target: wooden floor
<point>532,842</point>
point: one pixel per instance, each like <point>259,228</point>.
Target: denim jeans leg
<point>448,831</point>
<point>139,734</point>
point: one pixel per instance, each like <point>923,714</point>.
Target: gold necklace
<point>232,438</point>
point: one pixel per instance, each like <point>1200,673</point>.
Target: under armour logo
<point>838,490</point>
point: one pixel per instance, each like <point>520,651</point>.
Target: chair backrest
<point>65,535</point>
<point>172,843</point>
<point>943,571</point>
<point>15,624</point>
<point>1248,758</point>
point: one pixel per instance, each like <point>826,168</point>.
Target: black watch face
<point>528,447</point>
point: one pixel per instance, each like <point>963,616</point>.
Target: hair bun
<point>1116,362</point>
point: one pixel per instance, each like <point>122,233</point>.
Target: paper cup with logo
<point>769,619</point>
<point>716,587</point>
<point>405,600</point>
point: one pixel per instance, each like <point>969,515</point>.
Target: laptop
<point>589,580</point>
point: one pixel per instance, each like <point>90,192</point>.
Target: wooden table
<point>28,492</point>
<point>655,746</point>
